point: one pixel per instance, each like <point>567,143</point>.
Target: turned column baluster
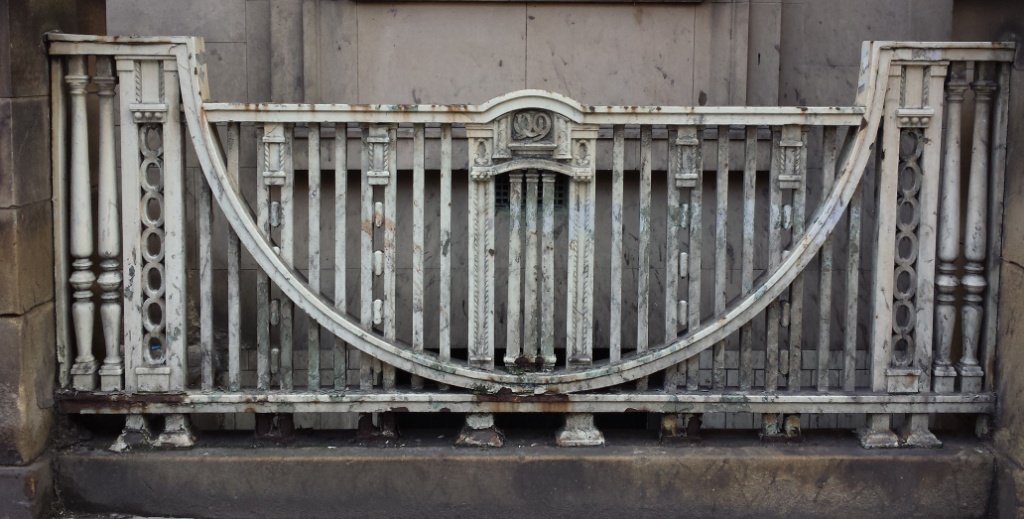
<point>109,241</point>
<point>975,232</point>
<point>83,310</point>
<point>946,281</point>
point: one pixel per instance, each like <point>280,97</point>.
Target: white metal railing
<point>677,260</point>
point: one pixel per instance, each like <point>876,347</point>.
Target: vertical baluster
<point>532,274</point>
<point>693,170</point>
<point>481,247</point>
<point>234,263</point>
<point>975,231</point>
<point>796,330</point>
<point>882,341</point>
<point>995,211</point>
<point>615,290</point>
<point>58,158</point>
<point>673,222</point>
<point>234,312</point>
<point>340,249</point>
<point>82,310</point>
<point>643,264</point>
<point>933,78</point>
<point>285,330</point>
<point>580,311</point>
<point>878,432</point>
<point>547,324</point>
<point>445,292</point>
<point>267,172</point>
<point>109,243</point>
<point>418,189</point>
<point>747,275</point>
<point>313,248</point>
<point>514,336</point>
<point>205,210</point>
<point>721,242</point>
<point>365,259</point>
<point>852,288</point>
<point>175,299</point>
<point>771,367</point>
<point>829,150</point>
<point>133,255</point>
<point>390,247</point>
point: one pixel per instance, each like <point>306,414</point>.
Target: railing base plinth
<point>916,433</point>
<point>579,431</point>
<point>83,376</point>
<point>680,428</point>
<point>780,428</point>
<point>480,431</point>
<point>111,378</point>
<point>944,383</point>
<point>970,379</point>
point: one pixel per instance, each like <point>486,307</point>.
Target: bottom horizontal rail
<point>427,402</point>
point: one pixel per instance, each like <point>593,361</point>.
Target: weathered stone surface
<point>398,45</point>
<point>26,266</point>
<point>821,47</point>
<point>26,384</point>
<point>221,21</point>
<point>26,22</point>
<point>649,58</point>
<point>523,481</point>
<point>26,492</point>
<point>1003,20</point>
<point>24,150</point>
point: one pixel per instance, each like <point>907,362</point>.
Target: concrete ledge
<point>835,480</point>
<point>26,491</point>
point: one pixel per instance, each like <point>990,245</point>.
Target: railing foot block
<point>878,433</point>
<point>480,431</point>
<point>273,428</point>
<point>780,428</point>
<point>385,430</point>
<point>135,435</point>
<point>680,428</point>
<point>178,433</point>
<point>916,433</point>
<point>579,431</point>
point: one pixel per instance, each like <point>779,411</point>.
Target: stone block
<point>484,51</point>
<point>27,23</point>
<point>1010,420</point>
<point>221,21</point>
<point>27,362</point>
<point>26,266</point>
<point>226,66</point>
<point>24,151</point>
<point>26,492</point>
<point>616,54</point>
<point>428,478</point>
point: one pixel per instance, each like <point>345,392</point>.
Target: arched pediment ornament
<point>532,138</point>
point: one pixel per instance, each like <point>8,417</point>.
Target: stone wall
<point>1003,20</point>
<point>27,363</point>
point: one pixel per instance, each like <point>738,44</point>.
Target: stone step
<point>530,477</point>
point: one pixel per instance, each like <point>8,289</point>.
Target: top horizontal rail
<point>468,114</point>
